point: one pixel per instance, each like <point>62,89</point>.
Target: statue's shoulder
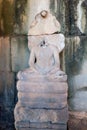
<point>61,36</point>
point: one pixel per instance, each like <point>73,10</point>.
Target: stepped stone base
<point>43,126</point>
<point>41,106</point>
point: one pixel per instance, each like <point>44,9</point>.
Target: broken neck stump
<point>42,88</point>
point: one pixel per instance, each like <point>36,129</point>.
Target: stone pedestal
<point>41,106</point>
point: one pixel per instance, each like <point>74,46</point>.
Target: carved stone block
<point>41,115</point>
<point>41,87</point>
<point>38,105</point>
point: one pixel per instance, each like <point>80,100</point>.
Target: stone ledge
<point>42,97</point>
<point>41,115</point>
<point>44,105</point>
<point>48,87</point>
<point>40,126</point>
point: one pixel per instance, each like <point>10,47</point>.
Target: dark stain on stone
<point>7,17</point>
<point>58,11</point>
<point>19,10</point>
<point>84,4</point>
<point>74,62</point>
<point>71,17</point>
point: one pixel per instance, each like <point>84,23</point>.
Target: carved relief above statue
<point>44,23</point>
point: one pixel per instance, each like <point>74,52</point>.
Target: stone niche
<point>42,88</point>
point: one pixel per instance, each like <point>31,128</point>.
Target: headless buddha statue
<point>44,62</point>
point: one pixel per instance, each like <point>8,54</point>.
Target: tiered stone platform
<point>41,105</point>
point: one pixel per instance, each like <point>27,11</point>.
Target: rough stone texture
<point>57,8</point>
<point>21,16</point>
<point>6,17</point>
<point>73,55</point>
<point>77,121</point>
<point>59,128</point>
<point>76,68</point>
<point>76,18</point>
<point>39,105</point>
<point>5,57</point>
<point>40,115</point>
<point>71,17</point>
<point>7,88</point>
<point>6,118</point>
<point>40,125</point>
<point>59,88</point>
<point>36,106</point>
<point>19,53</point>
<point>7,100</point>
<point>84,6</point>
<point>76,65</point>
<point>42,95</point>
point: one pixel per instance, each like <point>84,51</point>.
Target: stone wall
<point>76,62</point>
<point>15,18</point>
